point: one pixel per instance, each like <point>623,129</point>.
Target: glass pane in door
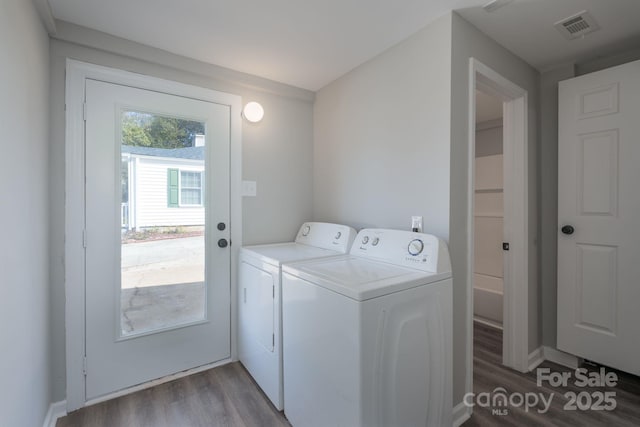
<point>162,223</point>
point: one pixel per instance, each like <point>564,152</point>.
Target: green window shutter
<point>172,188</point>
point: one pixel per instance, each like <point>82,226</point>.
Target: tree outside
<point>150,130</point>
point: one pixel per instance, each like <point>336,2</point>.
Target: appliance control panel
<point>406,248</point>
<point>327,236</point>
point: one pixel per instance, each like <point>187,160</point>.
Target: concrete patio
<point>162,284</point>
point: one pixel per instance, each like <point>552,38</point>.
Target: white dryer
<point>259,296</point>
<point>368,336</point>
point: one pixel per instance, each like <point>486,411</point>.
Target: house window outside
<point>190,188</point>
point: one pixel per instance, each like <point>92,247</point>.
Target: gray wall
<point>277,152</point>
<point>381,142</point>
<point>468,42</point>
<point>603,62</point>
<point>381,138</point>
<point>24,307</point>
<point>387,147</point>
<point>549,197</point>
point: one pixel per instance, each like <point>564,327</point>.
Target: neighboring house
<point>162,187</point>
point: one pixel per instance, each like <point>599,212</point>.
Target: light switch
<point>249,188</point>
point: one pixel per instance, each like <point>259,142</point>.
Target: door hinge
<point>505,246</point>
<point>84,365</point>
<point>84,111</point>
<point>84,239</point>
<point>273,292</point>
<point>273,340</point>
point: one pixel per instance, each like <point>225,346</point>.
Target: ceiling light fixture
<point>253,112</point>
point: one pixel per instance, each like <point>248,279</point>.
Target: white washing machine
<point>259,295</point>
<point>368,336</point>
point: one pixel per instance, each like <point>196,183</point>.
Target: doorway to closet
<point>502,242</point>
<point>488,274</point>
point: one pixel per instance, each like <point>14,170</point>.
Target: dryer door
<point>259,325</point>
<point>257,307</point>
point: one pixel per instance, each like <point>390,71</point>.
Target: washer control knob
<point>365,240</point>
<point>415,247</point>
<point>375,241</point>
<point>338,235</point>
<point>306,230</point>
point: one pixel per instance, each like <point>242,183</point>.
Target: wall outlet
<point>249,188</point>
<point>416,223</point>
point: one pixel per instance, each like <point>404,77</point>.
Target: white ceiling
<point>304,43</point>
<point>309,43</point>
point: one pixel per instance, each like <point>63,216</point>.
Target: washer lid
<point>279,253</point>
<point>359,278</point>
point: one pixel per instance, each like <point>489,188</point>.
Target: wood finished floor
<point>223,396</point>
<point>489,374</point>
<point>228,396</point>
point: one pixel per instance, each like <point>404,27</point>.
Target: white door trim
<point>516,224</point>
<point>77,73</point>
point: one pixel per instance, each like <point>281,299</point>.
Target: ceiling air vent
<point>577,25</point>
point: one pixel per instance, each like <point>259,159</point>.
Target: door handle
<point>222,243</point>
<point>567,229</point>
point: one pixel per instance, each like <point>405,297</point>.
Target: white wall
<point>381,138</point>
<point>467,42</point>
<point>277,152</point>
<point>24,306</point>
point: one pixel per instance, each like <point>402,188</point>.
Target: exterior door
<point>599,217</point>
<point>157,223</point>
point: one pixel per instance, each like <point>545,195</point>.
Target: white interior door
<point>157,197</point>
<point>599,198</point>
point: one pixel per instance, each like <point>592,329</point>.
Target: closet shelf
<point>489,215</point>
<point>488,190</point>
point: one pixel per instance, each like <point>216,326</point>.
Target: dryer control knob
<point>415,247</point>
<point>375,241</point>
<point>365,240</point>
<point>305,230</point>
<point>338,235</point>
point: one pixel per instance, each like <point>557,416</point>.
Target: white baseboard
<point>56,410</point>
<point>536,357</point>
<point>561,358</point>
<point>461,413</point>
